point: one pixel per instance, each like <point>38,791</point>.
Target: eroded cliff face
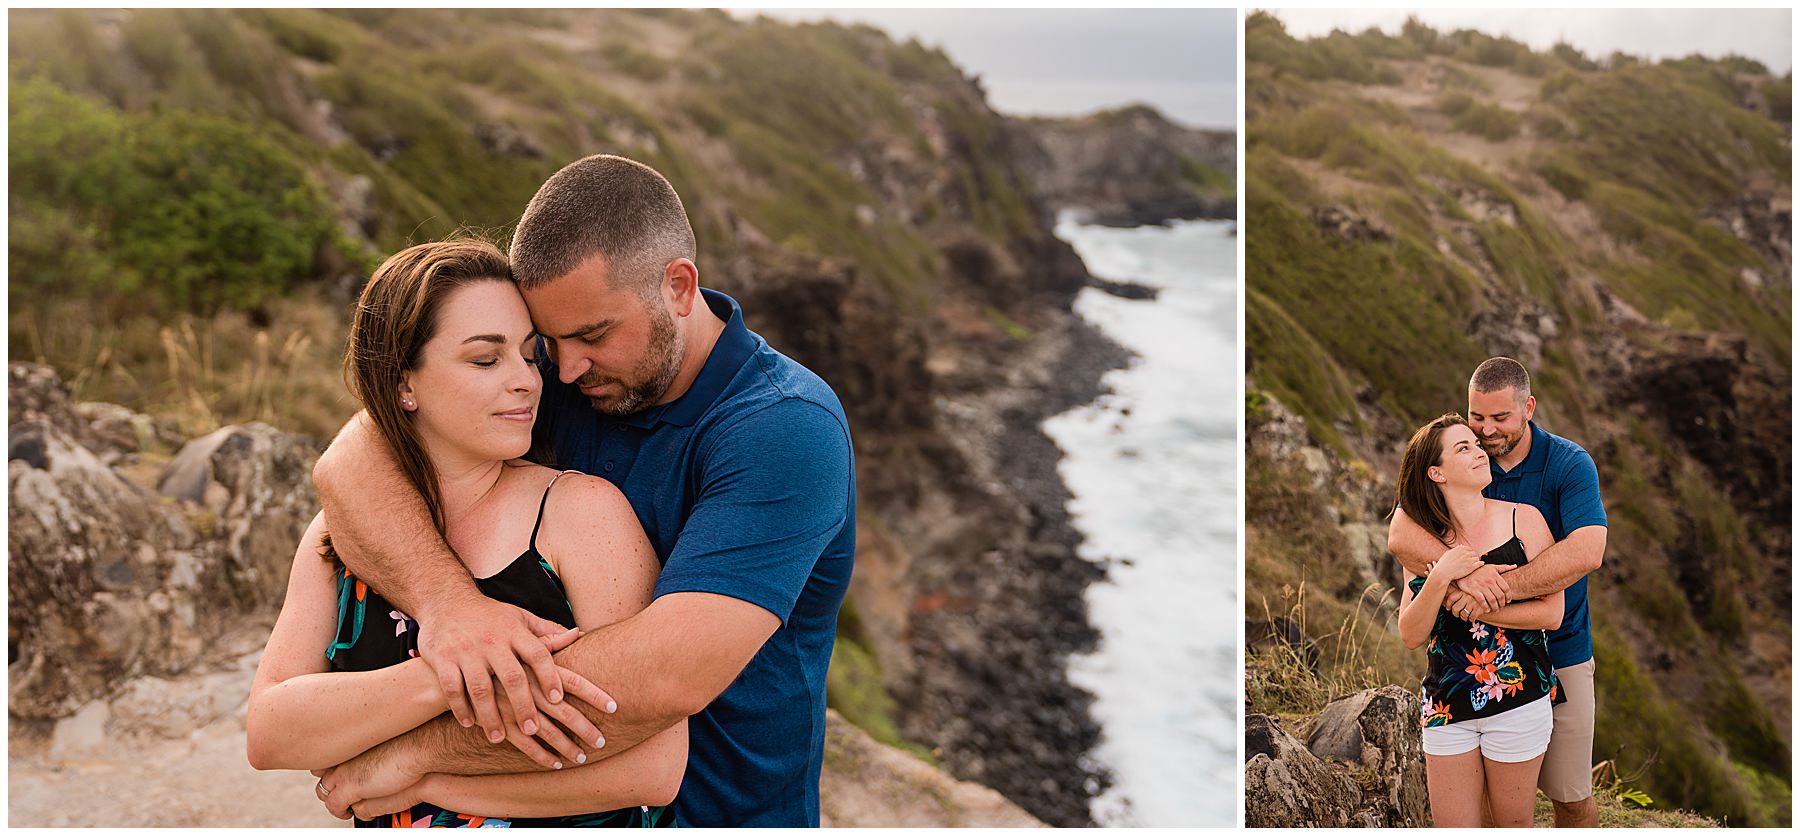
<point>1132,167</point>
<point>1424,201</point>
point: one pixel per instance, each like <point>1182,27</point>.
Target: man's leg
<point>1567,775</point>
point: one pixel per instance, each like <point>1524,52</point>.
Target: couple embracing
<point>582,552</point>
<point>1497,523</point>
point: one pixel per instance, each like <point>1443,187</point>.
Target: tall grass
<point>199,372</point>
<point>1356,650</point>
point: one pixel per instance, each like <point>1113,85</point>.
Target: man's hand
<point>1468,605</point>
<point>1485,586</point>
<point>406,799</point>
<point>377,773</point>
<point>478,641</point>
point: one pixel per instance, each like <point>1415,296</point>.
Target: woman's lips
<point>523,414</point>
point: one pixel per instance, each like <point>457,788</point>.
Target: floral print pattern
<point>528,582</point>
<point>1478,670</point>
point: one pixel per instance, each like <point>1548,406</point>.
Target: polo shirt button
<point>608,467</point>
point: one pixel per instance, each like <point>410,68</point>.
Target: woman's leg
<point>1454,783</point>
<point>1512,790</point>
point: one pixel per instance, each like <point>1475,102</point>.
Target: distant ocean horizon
<point>1153,470</point>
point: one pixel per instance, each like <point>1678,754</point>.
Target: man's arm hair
<point>1411,544</point>
<point>1564,563</point>
<point>380,527</point>
<point>665,663</point>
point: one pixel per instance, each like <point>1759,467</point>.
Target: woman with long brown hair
<point>1489,685</point>
<point>441,355</point>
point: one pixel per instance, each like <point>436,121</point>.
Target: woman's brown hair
<point>1422,499</point>
<point>395,317</point>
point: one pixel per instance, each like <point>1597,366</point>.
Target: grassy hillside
<point>1418,202</point>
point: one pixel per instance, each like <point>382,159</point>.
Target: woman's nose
<point>525,376</point>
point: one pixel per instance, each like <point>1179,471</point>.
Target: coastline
<point>994,676</point>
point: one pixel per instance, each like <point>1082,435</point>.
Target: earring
<point>407,403</point>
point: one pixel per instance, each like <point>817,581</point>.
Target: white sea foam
<point>1153,471</point>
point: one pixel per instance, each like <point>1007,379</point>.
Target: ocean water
<point>1153,468</point>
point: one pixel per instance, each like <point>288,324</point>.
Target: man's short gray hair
<point>1496,373</point>
<point>608,206</point>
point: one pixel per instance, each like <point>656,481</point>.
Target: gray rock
<point>254,485</point>
<point>83,736</point>
<point>88,551</point>
<point>175,708</point>
<point>1286,785</point>
<point>107,580</point>
<point>1378,731</point>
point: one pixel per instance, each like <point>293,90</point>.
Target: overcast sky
<point>1763,34</point>
<point>1064,62</point>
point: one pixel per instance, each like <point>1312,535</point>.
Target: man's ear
<point>1530,406</point>
<point>681,286</point>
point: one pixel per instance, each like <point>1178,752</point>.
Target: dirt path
<point>161,753</point>
<point>202,780</point>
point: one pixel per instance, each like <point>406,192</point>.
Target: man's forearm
<point>635,660</point>
<point>1562,564</point>
<point>661,665</point>
<point>380,527</point>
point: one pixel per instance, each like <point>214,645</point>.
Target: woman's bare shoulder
<point>588,519</point>
<point>1531,527</point>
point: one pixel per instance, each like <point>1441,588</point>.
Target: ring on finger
<point>323,790</point>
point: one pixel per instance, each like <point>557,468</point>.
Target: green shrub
<point>634,62</point>
<point>203,211</point>
<point>1455,104</point>
<point>1490,122</point>
<point>1564,176</point>
<point>1779,94</point>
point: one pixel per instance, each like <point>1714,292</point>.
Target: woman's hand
<point>1455,562</point>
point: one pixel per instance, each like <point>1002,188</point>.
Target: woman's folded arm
<point>648,774</point>
<point>302,716</point>
<point>1544,613</point>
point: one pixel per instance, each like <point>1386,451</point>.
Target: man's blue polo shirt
<point>1558,478</point>
<point>746,487</point>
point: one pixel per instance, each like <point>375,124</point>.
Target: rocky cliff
<point>1132,166</point>
<point>1424,200</point>
<point>857,195</point>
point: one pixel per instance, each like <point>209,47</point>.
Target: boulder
<point>1286,785</point>
<point>250,488</point>
<point>107,580</point>
<point>103,579</point>
<point>1377,730</point>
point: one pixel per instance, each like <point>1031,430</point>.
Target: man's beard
<point>1501,444</point>
<point>655,371</point>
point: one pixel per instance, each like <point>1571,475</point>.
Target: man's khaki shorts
<point>1568,771</point>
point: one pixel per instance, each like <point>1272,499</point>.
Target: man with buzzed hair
<point>738,463</point>
<point>1556,476</point>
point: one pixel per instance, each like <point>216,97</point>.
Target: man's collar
<point>1534,460</point>
<point>1539,457</point>
<point>734,346</point>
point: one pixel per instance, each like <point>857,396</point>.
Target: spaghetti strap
<point>542,503</point>
<point>1515,515</point>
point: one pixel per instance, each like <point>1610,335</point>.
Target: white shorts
<point>1512,736</point>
